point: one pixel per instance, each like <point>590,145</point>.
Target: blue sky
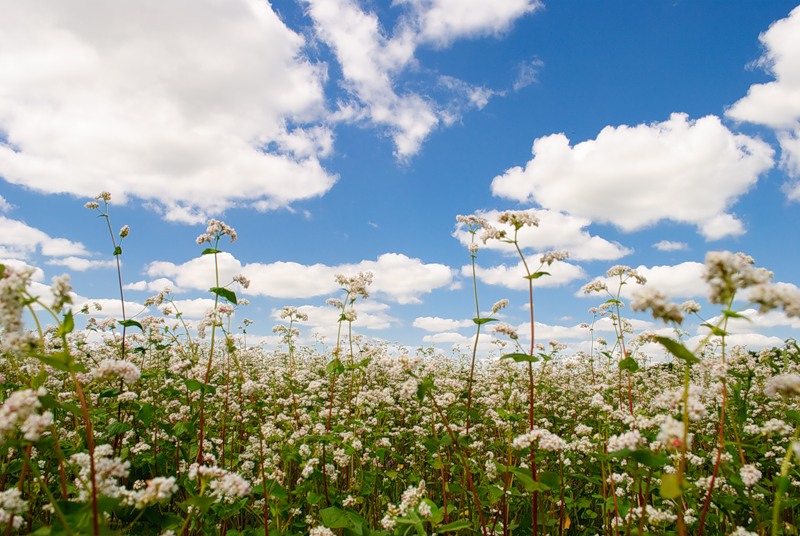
<point>345,135</point>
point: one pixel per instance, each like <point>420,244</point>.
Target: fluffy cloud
<point>323,321</point>
<point>435,324</point>
<point>634,176</point>
<point>684,280</point>
<point>513,277</point>
<point>669,245</point>
<point>79,264</point>
<point>754,322</point>
<point>443,21</point>
<point>18,239</point>
<point>372,60</point>
<point>163,101</point>
<point>556,230</point>
<point>776,104</point>
<point>109,307</point>
<point>397,277</point>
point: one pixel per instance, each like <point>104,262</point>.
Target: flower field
<point>149,425</point>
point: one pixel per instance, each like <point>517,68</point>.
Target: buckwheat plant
<point>517,221</point>
<point>116,241</point>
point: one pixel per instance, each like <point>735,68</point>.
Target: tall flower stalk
<point>517,221</point>
<point>214,233</point>
<point>116,241</point>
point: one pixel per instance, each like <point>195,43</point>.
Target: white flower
<point>750,475</point>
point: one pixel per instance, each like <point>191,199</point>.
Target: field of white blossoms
<point>167,428</point>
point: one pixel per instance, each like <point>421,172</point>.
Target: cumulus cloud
<point>684,280</point>
<point>688,171</point>
<point>776,104</point>
<point>436,324</point>
<point>163,101</point>
<point>79,264</point>
<point>397,277</point>
<point>371,59</point>
<point>18,239</point>
<point>556,230</point>
<point>755,322</point>
<point>669,245</point>
<point>323,321</point>
<point>109,307</point>
<point>513,277</point>
<point>443,21</point>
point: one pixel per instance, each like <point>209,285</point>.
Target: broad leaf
<point>677,349</point>
<point>521,358</point>
<point>670,486</point>
<point>223,292</point>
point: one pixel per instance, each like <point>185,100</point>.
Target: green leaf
<point>195,385</point>
<point>131,324</point>
<point>549,479</point>
<point>648,458</point>
<point>202,503</point>
<point>670,486</point>
<point>733,314</point>
<point>335,518</point>
<point>520,357</point>
<point>334,366</point>
<point>61,361</point>
<point>146,414</point>
<point>629,363</point>
<point>461,524</point>
<point>117,251</point>
<point>536,275</point>
<point>67,325</point>
<point>525,478</point>
<point>223,292</point>
<point>716,330</point>
<point>423,388</point>
<point>116,428</point>
<point>481,321</point>
<point>210,251</point>
<point>677,349</point>
<point>613,300</point>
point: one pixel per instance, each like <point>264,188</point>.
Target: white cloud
<point>110,307</point>
<point>751,341</point>
<point>527,74</point>
<point>684,280</point>
<point>79,264</point>
<point>193,308</point>
<point>18,239</point>
<point>156,285</point>
<point>776,103</point>
<point>753,322</point>
<point>372,59</point>
<point>163,101</point>
<point>669,245</point>
<point>437,324</point>
<point>633,177</point>
<point>556,230</point>
<point>513,277</point>
<point>396,276</point>
<point>443,21</point>
<point>324,320</point>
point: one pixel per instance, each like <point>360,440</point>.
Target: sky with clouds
<point>340,136</point>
